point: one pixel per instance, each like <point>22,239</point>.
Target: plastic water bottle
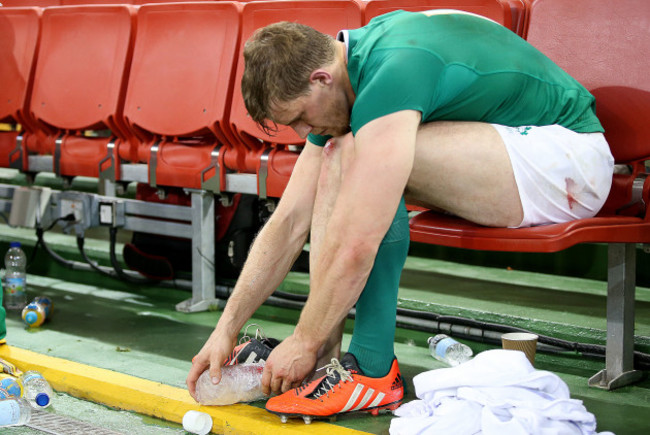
<point>37,311</point>
<point>239,383</point>
<point>15,297</point>
<point>36,390</point>
<point>10,387</point>
<point>444,348</point>
<point>14,412</point>
<point>46,303</point>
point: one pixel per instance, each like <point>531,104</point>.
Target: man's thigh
<point>464,169</point>
<point>512,176</point>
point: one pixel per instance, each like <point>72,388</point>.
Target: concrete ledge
<point>155,399</point>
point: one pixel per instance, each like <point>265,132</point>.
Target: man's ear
<point>320,76</point>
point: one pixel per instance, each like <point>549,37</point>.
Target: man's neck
<point>342,71</point>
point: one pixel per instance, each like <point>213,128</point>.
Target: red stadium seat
<point>519,11</point>
<point>79,85</point>
<point>275,164</point>
<point>144,2</point>
<point>94,2</point>
<point>180,88</point>
<point>19,33</point>
<point>603,45</point>
<point>509,13</point>
<point>26,3</point>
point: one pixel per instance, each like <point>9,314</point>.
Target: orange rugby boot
<point>342,390</point>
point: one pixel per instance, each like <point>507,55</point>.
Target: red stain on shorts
<point>570,191</point>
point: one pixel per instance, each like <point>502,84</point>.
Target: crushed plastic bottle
<point>36,390</point>
<point>239,383</point>
<point>444,348</point>
<point>14,412</point>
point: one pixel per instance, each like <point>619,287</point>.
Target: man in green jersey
<point>444,109</point>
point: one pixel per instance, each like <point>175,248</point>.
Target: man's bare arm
<point>371,190</point>
<point>272,254</point>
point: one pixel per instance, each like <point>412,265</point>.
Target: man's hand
<point>211,356</point>
<point>289,363</point>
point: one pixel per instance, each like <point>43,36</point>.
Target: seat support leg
<point>107,186</point>
<point>203,283</point>
<point>619,354</point>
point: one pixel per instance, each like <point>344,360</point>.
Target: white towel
<point>498,392</point>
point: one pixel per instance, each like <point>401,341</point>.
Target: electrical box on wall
<point>78,209</point>
<point>111,213</point>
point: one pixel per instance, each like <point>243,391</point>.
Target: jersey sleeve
<point>395,80</point>
<point>318,140</point>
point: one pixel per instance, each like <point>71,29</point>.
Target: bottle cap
<point>31,317</point>
<point>197,422</point>
<point>14,245</point>
<point>42,399</point>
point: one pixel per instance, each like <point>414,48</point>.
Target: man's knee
<point>338,148</point>
<point>337,153</point>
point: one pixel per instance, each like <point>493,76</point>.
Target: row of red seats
<point>163,80</point>
<point>516,21</point>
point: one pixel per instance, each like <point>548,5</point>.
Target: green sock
<point>374,326</point>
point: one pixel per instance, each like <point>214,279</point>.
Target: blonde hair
<point>278,61</point>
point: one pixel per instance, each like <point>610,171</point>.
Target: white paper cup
<point>521,341</point>
<point>197,422</point>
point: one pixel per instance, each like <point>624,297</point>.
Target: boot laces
<point>332,369</point>
<point>259,333</point>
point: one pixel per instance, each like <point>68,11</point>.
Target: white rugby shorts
<point>561,175</point>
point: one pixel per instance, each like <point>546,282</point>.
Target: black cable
<point>223,292</point>
<point>80,244</point>
<point>116,265</point>
<point>545,339</point>
<point>40,241</point>
<point>32,257</point>
<point>290,296</point>
<point>66,263</point>
<point>584,348</point>
<point>67,218</point>
<point>91,263</point>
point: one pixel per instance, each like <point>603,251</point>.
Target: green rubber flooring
<point>136,331</point>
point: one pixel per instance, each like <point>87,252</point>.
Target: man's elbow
<point>359,252</point>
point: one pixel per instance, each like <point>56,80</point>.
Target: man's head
<point>290,78</point>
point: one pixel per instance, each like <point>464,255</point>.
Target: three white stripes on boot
<point>366,398</point>
<point>353,398</point>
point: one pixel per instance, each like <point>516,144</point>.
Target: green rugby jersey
<point>459,67</point>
